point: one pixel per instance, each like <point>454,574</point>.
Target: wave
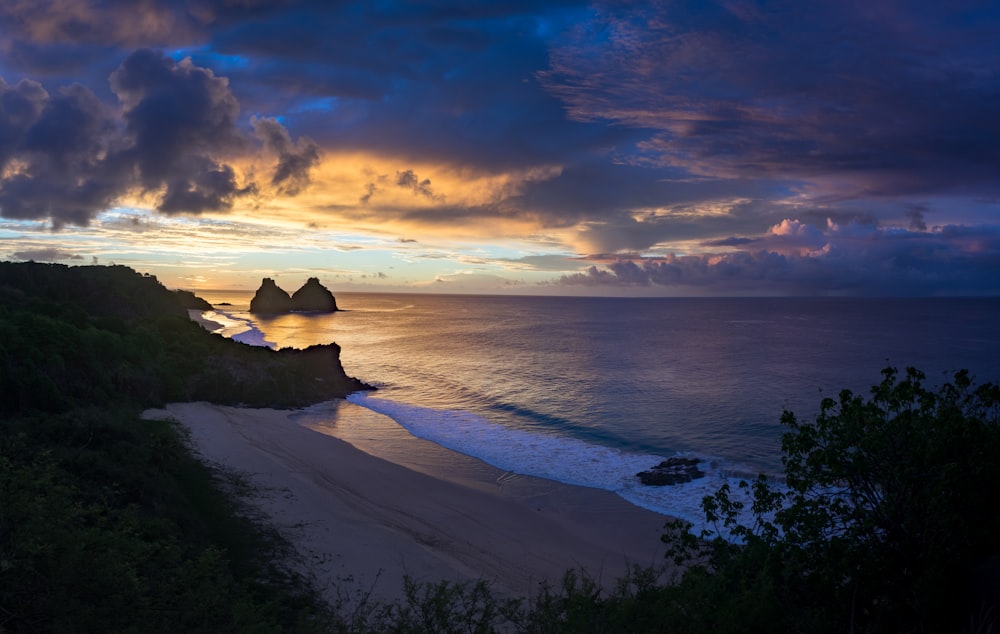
<point>237,328</point>
<point>254,337</point>
<point>560,458</point>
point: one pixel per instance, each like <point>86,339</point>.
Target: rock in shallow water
<point>672,471</point>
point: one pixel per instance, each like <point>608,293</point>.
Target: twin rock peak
<point>313,297</point>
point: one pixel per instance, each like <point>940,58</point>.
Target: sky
<point>647,148</point>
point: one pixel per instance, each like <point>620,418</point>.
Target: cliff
<point>270,299</point>
<point>314,297</point>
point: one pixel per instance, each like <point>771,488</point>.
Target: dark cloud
<point>626,199</point>
<point>408,180</point>
<point>179,117</point>
<point>728,242</point>
<point>916,216</point>
<point>451,84</point>
<point>295,159</point>
<point>50,36</point>
<point>204,185</point>
<point>53,154</point>
<point>545,262</point>
<point>20,107</point>
<point>45,255</point>
<point>855,260</point>
<point>95,22</point>
<point>893,99</point>
<point>370,190</point>
<point>67,156</point>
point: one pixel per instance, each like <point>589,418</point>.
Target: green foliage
<point>105,526</point>
<point>886,515</point>
<point>444,607</point>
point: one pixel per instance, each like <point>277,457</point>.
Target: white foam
<point>253,337</point>
<point>238,328</point>
<point>555,457</point>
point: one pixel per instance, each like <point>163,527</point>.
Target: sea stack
<point>314,297</point>
<point>270,299</point>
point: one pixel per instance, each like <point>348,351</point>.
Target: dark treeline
<point>887,522</point>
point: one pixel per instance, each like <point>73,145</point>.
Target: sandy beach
<point>198,316</point>
<point>360,522</point>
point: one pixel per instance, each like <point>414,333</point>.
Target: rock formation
<point>314,297</point>
<point>672,471</point>
<point>270,299</point>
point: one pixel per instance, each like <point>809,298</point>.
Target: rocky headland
<point>191,301</point>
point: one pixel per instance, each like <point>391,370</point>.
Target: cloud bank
<point>66,156</point>
<point>799,259</point>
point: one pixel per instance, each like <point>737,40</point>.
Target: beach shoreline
<point>198,316</point>
<point>359,522</point>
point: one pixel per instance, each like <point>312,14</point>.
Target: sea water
<point>590,391</point>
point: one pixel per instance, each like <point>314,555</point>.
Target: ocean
<point>590,391</point>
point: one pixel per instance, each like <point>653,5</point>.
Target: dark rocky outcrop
<point>256,376</point>
<point>672,471</point>
<point>270,299</point>
<point>314,297</point>
<point>191,301</point>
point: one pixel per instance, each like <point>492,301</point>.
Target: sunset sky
<point>842,147</point>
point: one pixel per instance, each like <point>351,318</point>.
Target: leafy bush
<point>887,520</point>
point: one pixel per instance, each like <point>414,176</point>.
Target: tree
<point>886,520</point>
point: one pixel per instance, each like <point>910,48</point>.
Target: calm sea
<point>591,390</point>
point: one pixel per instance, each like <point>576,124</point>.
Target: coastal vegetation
<point>885,520</point>
<point>107,523</point>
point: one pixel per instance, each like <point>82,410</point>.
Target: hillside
<point>95,335</point>
<point>107,523</point>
